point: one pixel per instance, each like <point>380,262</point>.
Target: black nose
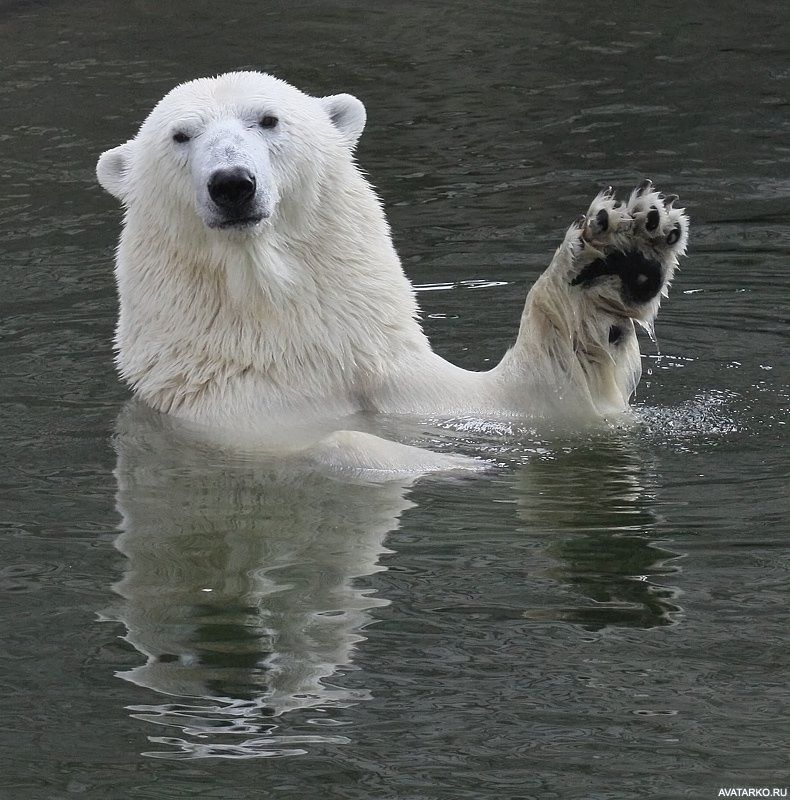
<point>231,188</point>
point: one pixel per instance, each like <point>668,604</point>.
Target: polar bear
<point>259,286</point>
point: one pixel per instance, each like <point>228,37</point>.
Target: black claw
<point>653,218</point>
<point>602,218</point>
<point>674,235</point>
<point>645,186</point>
<point>669,200</point>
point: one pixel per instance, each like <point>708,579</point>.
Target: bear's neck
<point>292,315</point>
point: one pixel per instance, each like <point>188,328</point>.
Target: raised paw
<point>628,251</point>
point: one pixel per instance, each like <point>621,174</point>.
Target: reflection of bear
<point>598,503</point>
<point>239,586</point>
<point>259,286</point>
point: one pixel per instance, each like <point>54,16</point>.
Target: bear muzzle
<point>233,192</point>
<point>232,188</point>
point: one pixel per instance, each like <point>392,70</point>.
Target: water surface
<point>605,616</point>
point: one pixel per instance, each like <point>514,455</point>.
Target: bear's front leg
<point>577,341</point>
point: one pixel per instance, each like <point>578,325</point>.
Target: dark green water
<point>604,617</point>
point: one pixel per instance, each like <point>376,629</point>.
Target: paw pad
<point>637,241</point>
<point>652,220</point>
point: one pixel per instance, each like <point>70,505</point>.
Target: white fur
<point>308,313</point>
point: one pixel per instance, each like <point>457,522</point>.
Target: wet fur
<point>309,314</point>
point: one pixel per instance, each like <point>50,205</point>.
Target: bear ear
<point>112,169</point>
<point>347,115</point>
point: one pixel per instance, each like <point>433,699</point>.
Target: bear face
<point>227,150</point>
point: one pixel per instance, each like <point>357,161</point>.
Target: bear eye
<point>268,121</point>
<point>180,137</point>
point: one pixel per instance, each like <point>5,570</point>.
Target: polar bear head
<point>229,150</point>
